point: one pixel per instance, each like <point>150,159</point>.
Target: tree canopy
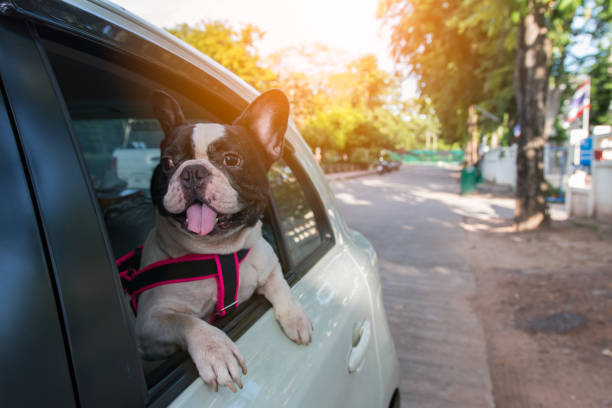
<point>350,109</point>
<point>510,57</point>
<point>461,53</point>
<point>355,106</point>
<point>234,49</point>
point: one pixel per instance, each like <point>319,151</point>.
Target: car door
<point>35,366</point>
<point>101,86</point>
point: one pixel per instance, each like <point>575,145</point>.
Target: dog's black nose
<point>193,176</point>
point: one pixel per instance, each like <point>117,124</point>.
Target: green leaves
<point>233,49</point>
<point>461,53</point>
<point>568,6</point>
<point>358,107</point>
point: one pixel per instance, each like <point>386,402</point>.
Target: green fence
<point>433,156</point>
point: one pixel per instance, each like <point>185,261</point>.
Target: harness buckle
<point>226,307</point>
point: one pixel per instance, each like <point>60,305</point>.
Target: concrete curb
<point>348,175</point>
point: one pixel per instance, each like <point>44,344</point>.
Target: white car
<point>135,165</point>
<point>72,74</point>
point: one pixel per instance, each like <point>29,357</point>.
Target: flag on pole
<point>580,101</point>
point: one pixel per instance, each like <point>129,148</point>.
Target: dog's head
<point>212,179</point>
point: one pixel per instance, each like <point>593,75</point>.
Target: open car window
<point>107,96</point>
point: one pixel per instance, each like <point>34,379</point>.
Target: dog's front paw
<point>295,323</point>
<point>217,359</point>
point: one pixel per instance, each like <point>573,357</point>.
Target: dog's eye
<point>231,160</point>
<point>167,164</point>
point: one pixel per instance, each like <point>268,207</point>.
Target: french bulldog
<point>209,191</point>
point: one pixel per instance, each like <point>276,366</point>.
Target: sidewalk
<point>490,190</point>
<point>487,187</point>
<point>331,177</point>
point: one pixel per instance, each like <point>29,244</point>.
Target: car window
<point>108,102</point>
<point>297,223</point>
<point>119,152</point>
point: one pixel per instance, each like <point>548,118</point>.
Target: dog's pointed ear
<point>267,117</point>
<point>168,112</point>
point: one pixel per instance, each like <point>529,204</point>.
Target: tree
<point>599,28</point>
<point>545,31</point>
<point>418,125</point>
<point>363,83</point>
<point>234,49</point>
<point>331,128</point>
<point>341,109</point>
<point>459,52</point>
<point>464,52</point>
<point>531,88</point>
<point>601,100</point>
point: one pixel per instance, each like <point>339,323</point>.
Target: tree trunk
<point>553,103</point>
<point>471,151</point>
<point>554,96</point>
<point>531,74</point>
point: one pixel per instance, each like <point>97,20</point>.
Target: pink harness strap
<point>224,268</point>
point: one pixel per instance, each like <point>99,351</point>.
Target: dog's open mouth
<point>200,219</point>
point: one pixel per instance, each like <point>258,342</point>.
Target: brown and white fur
<point>221,168</point>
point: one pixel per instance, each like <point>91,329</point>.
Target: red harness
<point>192,267</point>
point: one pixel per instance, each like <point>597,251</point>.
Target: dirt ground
<point>563,271</point>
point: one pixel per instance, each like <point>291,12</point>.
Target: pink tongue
<point>200,219</point>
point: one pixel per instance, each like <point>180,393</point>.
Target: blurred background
<point>425,81</point>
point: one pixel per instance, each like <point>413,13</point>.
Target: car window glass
<point>297,223</point>
<point>119,152</point>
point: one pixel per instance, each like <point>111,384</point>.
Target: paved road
<point>413,218</point>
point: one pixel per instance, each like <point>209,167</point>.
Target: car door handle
<point>362,332</point>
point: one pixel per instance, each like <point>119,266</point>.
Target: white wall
<point>502,170</point>
<point>603,190</point>
<point>499,165</point>
<point>602,180</point>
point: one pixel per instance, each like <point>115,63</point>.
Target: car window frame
<point>181,371</point>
